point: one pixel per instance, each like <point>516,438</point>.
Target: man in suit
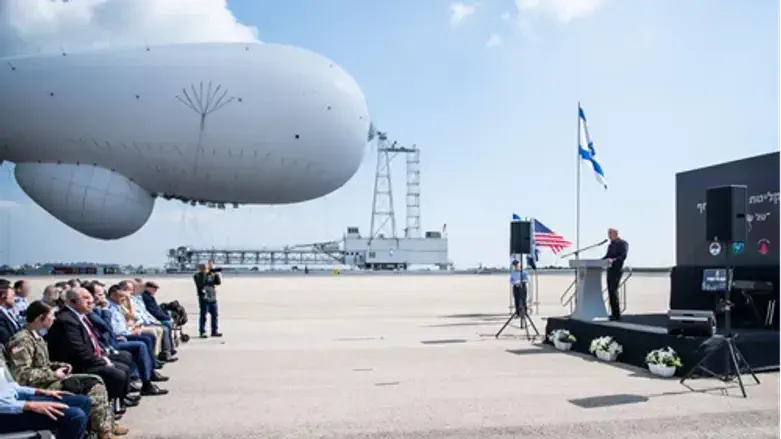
<point>617,251</point>
<point>9,324</point>
<point>72,340</point>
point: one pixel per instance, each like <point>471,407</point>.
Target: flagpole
<point>577,202</point>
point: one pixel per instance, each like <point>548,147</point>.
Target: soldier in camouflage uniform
<point>29,358</point>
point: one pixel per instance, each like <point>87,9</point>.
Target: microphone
<point>604,241</point>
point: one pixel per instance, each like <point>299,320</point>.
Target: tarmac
<point>415,357</point>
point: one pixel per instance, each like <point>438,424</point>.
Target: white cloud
<point>562,10</point>
<point>461,11</point>
<point>27,26</point>
<point>506,16</point>
<point>494,40</point>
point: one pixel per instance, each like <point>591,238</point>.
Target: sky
<point>487,90</point>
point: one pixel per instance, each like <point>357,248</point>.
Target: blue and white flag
<point>587,151</point>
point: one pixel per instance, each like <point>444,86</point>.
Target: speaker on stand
<point>520,237</point>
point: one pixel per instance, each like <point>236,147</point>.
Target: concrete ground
<point>363,357</point>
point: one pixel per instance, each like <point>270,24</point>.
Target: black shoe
<point>615,319</point>
<point>152,390</point>
<point>133,398</point>
<point>166,357</point>
<point>135,386</point>
<point>203,335</point>
<point>158,365</point>
<point>174,352</point>
<point>128,402</point>
<point>157,377</point>
<point>216,334</point>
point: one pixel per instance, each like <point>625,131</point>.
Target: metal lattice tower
<point>383,221</point>
<point>382,202</point>
<point>413,194</point>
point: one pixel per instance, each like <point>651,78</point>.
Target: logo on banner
<point>715,248</point>
<point>738,247</point>
<point>763,246</point>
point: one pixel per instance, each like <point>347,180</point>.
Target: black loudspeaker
<point>691,322</point>
<point>725,213</point>
<point>520,237</point>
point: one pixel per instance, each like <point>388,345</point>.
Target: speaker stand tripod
<point>733,357</point>
<point>526,322</point>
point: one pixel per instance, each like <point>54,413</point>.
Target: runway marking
<point>363,370</point>
<point>391,383</point>
<point>445,341</point>
<point>607,400</point>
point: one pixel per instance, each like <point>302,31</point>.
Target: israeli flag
<point>587,151</point>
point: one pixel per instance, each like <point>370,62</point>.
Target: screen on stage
<point>715,279</point>
<point>761,175</point>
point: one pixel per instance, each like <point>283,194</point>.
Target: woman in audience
<point>29,357</point>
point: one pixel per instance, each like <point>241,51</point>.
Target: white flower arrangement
<point>665,357</point>
<point>607,345</point>
<point>562,336</point>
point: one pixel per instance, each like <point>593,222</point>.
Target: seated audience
<point>104,314</point>
<point>122,325</point>
<point>29,357</point>
<point>138,317</point>
<point>76,359</point>
<point>143,361</point>
<point>9,324</point>
<point>27,408</point>
<point>72,340</point>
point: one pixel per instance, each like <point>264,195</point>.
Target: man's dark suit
<point>617,251</point>
<point>7,328</point>
<point>69,342</point>
<point>154,308</point>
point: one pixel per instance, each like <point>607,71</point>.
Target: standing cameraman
<point>206,281</point>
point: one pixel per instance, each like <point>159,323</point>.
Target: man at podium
<point>616,255</point>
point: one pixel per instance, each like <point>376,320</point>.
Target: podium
<point>589,302</point>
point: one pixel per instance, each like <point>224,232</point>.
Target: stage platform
<point>642,333</point>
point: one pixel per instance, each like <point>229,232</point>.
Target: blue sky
<point>667,86</point>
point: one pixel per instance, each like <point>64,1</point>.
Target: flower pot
<point>606,356</point>
<point>661,370</point>
<point>561,345</point>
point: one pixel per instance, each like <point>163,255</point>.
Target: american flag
<point>545,237</point>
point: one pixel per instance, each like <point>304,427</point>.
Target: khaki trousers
<point>157,331</point>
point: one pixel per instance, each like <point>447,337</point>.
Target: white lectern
<point>590,304</point>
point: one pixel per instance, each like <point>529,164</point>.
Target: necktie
<point>95,344</point>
